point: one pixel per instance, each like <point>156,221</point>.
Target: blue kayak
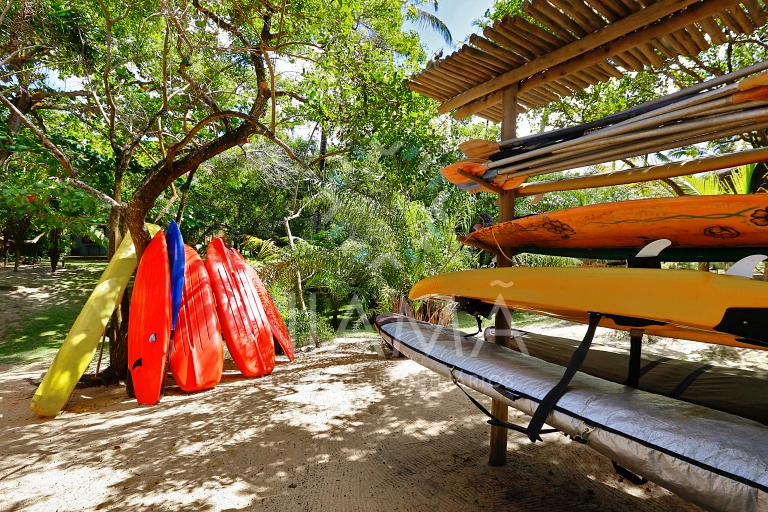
<point>176,260</point>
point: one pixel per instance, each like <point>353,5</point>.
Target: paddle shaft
<point>617,130</point>
<point>678,131</point>
<point>639,149</point>
<point>683,130</point>
<point>644,107</point>
<point>641,174</point>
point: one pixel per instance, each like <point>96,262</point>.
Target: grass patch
<point>40,335</point>
<point>45,312</point>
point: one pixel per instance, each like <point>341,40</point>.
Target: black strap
<point>546,405</point>
<point>635,358</point>
<point>653,364</point>
<point>494,420</point>
<point>479,327</point>
<point>643,262</point>
<point>680,389</point>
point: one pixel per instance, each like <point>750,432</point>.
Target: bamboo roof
<point>563,46</point>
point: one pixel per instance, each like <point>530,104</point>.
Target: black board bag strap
<point>549,401</point>
<point>493,419</point>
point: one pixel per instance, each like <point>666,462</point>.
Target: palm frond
<point>741,178</point>
<point>264,251</point>
<point>429,20</point>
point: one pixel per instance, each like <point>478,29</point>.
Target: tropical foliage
<point>284,127</point>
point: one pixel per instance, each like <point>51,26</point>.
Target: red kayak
<point>276,324</point>
<point>197,351</point>
<point>149,322</point>
<point>242,317</point>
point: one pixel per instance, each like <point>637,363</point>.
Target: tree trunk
<point>677,189</point>
<point>55,251</point>
<point>759,178</point>
<point>24,103</point>
<point>323,149</point>
<point>19,227</point>
<point>161,178</point>
<point>118,343</point>
<point>6,245</point>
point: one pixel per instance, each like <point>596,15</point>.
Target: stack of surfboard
<point>180,307</point>
<point>725,106</point>
<point>701,437</point>
<point>692,428</point>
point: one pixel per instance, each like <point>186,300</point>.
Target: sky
<point>458,15</point>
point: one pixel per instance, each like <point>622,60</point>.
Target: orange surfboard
<point>149,322</point>
<point>197,350</point>
<point>276,324</point>
<point>719,228</point>
<point>243,322</point>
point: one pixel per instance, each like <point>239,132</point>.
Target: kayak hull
<point>275,321</point>
<point>176,260</point>
<point>197,349</point>
<point>149,325</point>
<point>243,324</point>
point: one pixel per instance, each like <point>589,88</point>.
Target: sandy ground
<point>341,428</point>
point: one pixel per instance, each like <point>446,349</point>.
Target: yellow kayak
<point>78,348</point>
<point>699,306</point>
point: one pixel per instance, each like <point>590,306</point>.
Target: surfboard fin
<point>648,257</point>
<point>746,266</point>
<point>653,249</point>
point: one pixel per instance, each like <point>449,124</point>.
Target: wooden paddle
<point>632,150</point>
<point>669,117</point>
<point>474,166</point>
<point>651,173</point>
<point>479,148</point>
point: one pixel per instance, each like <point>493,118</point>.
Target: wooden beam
<point>590,42</point>
<point>498,446</point>
<point>756,12</point>
<point>509,110</point>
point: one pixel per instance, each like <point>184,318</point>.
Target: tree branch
<point>328,155</point>
<point>58,155</point>
<point>291,94</point>
<point>84,186</point>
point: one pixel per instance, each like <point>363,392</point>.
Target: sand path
<point>342,428</point>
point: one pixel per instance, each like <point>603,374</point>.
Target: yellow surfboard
<point>78,348</point>
<point>685,304</point>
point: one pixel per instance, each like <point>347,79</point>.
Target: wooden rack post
<point>498,448</point>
